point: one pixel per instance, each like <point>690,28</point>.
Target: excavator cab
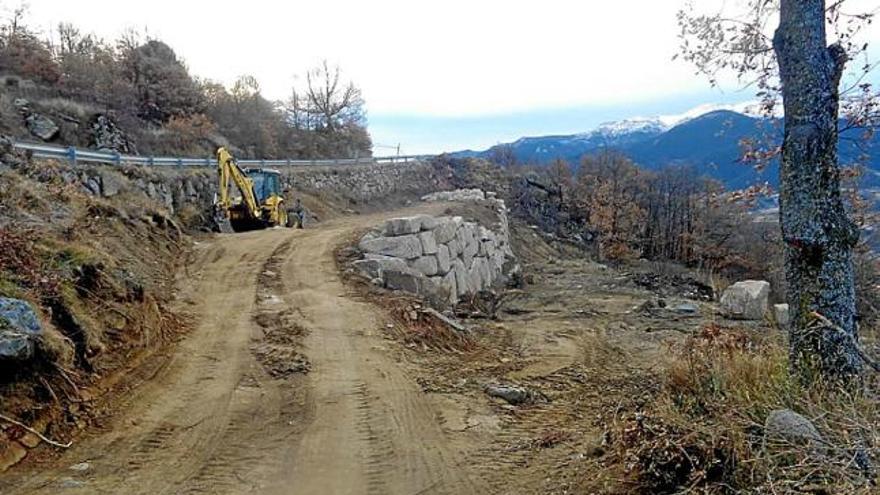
<point>267,183</point>
<point>260,204</point>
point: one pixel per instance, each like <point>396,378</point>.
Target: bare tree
<point>328,113</point>
<point>333,102</point>
<point>798,63</point>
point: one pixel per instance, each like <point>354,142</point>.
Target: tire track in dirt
<point>213,420</point>
<point>374,431</point>
<point>232,411</point>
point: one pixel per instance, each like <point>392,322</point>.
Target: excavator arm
<point>230,172</point>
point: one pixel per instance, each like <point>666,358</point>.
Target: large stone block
<point>426,265</point>
<point>476,278</point>
<point>469,252</point>
<point>429,244</point>
<point>374,265</point>
<point>406,246</point>
<point>462,277</point>
<point>454,247</point>
<point>446,229</point>
<point>407,280</point>
<point>746,300</point>
<point>429,222</point>
<point>444,261</point>
<point>404,225</point>
<point>451,287</point>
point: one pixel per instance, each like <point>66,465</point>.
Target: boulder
<point>19,329</point>
<point>111,184</point>
<point>41,126</point>
<point>785,428</point>
<point>746,300</point>
<point>406,246</point>
<point>781,315</point>
<point>429,245</point>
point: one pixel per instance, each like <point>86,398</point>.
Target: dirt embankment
<point>100,273</point>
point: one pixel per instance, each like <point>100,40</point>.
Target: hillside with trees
<point>136,95</point>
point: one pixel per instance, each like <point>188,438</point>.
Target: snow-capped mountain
<point>638,125</point>
<point>708,137</point>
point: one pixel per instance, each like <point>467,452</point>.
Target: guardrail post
<point>180,162</point>
<point>71,154</point>
<point>117,158</point>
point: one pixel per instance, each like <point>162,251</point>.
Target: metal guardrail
<point>76,155</point>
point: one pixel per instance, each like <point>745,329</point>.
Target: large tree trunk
<point>818,234</point>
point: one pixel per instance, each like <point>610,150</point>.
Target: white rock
<point>781,313</point>
<point>746,300</point>
<point>404,225</point>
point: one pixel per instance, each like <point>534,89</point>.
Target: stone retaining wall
<point>366,182</point>
<point>440,258</point>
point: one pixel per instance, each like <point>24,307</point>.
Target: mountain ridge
<point>711,141</point>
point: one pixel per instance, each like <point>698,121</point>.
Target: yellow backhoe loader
<point>260,203</point>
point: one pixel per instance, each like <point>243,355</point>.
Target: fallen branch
<point>448,321</point>
<point>35,432</point>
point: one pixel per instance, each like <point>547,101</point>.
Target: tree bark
<point>818,234</point>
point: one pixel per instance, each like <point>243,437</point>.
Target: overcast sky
<point>438,75</point>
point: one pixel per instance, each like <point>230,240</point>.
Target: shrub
<point>704,431</point>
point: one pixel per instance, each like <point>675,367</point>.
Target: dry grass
<point>703,432</point>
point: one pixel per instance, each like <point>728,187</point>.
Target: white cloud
<point>444,58</point>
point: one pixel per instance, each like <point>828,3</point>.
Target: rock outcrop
<point>440,258</point>
<point>107,136</point>
<point>746,300</point>
<point>19,330</point>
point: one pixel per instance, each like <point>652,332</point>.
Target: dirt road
<point>229,413</point>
